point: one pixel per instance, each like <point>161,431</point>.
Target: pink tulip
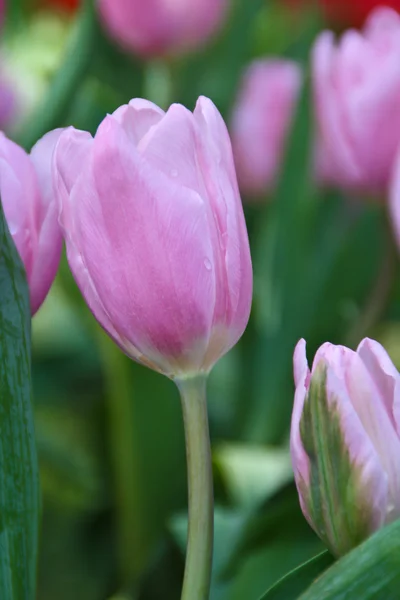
<point>357,89</point>
<point>261,120</point>
<point>31,211</point>
<point>155,233</point>
<point>158,27</point>
<point>345,441</point>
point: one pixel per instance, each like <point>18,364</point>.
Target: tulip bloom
<point>261,119</point>
<point>357,89</point>
<point>155,233</point>
<point>31,211</point>
<point>158,27</point>
<point>345,441</point>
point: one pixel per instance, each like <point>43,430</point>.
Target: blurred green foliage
<point>109,432</point>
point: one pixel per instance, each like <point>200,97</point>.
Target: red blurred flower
<point>348,12</point>
<point>69,5</point>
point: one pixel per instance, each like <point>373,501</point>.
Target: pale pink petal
<point>49,247</point>
<point>70,157</point>
<point>170,147</point>
<point>19,196</point>
<point>138,117</point>
<point>331,120</point>
<point>300,460</point>
<point>229,234</point>
<point>385,376</point>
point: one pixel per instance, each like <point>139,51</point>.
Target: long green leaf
<point>295,582</point>
<point>371,571</point>
<point>19,480</point>
<point>66,82</point>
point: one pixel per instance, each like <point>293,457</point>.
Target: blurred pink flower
<point>157,27</point>
<point>155,233</point>
<point>8,104</point>
<point>31,211</point>
<point>345,441</point>
<point>357,92</point>
<point>261,120</point>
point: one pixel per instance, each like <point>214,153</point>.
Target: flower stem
<point>196,583</point>
<point>380,293</point>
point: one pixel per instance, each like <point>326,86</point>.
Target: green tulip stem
<point>197,578</point>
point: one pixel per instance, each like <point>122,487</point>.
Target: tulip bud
<point>155,233</point>
<point>357,89</point>
<point>31,211</point>
<point>261,119</point>
<point>158,27</point>
<point>345,441</point>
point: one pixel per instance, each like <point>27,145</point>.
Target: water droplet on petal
<point>207,264</point>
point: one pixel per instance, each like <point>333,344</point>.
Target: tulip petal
<point>80,271</point>
<point>170,147</point>
<point>138,117</point>
<point>385,376</point>
<point>331,120</point>
<point>50,240</point>
<point>138,221</point>
<point>300,460</point>
<point>229,234</point>
<point>19,196</point>
<point>71,153</point>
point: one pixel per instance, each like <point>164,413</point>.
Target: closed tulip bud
<point>357,88</point>
<point>31,211</point>
<point>158,27</point>
<point>155,233</point>
<point>261,120</point>
<point>345,441</point>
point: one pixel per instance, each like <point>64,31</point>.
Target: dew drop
<point>207,264</point>
<point>174,173</point>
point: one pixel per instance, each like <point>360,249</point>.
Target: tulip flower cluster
<point>357,90</point>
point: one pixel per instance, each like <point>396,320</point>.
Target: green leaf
<point>295,582</point>
<point>251,474</point>
<point>370,572</point>
<point>279,518</point>
<point>19,480</point>
<point>52,112</point>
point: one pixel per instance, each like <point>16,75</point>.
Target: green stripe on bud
<point>337,505</point>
